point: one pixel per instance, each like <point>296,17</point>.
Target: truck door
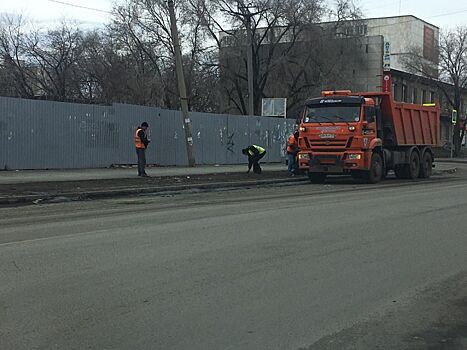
<point>370,119</point>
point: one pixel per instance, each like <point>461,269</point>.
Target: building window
<point>404,93</point>
<point>414,95</point>
<point>396,92</point>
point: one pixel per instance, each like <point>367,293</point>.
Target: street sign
<point>387,48</point>
<point>454,117</point>
<point>387,57</point>
<point>387,82</point>
<point>274,107</point>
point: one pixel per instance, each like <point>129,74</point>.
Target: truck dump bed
<point>412,124</point>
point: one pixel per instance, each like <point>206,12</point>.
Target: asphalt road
<point>292,267</point>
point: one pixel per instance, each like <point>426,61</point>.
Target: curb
<point>451,160</point>
<point>79,196</point>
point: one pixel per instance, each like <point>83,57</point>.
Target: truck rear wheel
<point>375,174</point>
<point>409,171</point>
<point>414,165</point>
<point>426,166</point>
<point>317,178</point>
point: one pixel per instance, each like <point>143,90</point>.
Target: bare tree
<point>54,56</point>
<point>16,70</point>
<point>278,29</point>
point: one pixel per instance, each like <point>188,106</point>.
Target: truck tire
<point>317,178</point>
<point>375,174</point>
<point>409,171</point>
<point>414,165</point>
<point>426,166</point>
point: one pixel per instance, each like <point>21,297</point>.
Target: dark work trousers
<point>254,161</point>
<point>141,153</point>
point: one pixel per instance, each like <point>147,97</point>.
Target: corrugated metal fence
<point>46,135</point>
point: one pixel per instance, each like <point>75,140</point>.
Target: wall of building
<point>404,33</point>
<point>46,135</point>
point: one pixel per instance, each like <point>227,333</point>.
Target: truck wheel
<point>414,165</point>
<point>426,166</point>
<point>375,173</point>
<point>317,178</point>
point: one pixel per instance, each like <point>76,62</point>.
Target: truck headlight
<point>355,156</point>
<point>303,156</point>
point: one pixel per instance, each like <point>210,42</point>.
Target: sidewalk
<point>28,176</point>
<point>452,160</point>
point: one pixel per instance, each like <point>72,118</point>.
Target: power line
<point>80,6</point>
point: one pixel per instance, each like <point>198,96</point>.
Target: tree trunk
<point>457,139</point>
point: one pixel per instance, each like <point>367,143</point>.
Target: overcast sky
<point>46,12</point>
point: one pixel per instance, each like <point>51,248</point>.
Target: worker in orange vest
<point>292,151</point>
<point>141,143</point>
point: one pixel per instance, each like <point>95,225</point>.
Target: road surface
<point>294,267</point>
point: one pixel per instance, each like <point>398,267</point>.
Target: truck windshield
<point>333,113</point>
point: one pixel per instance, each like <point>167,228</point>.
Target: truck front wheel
<point>375,174</point>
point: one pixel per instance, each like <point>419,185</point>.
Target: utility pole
<point>251,95</point>
<point>181,86</point>
<point>245,10</point>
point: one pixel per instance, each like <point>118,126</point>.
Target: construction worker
<point>141,143</point>
<point>292,151</point>
<point>255,153</point>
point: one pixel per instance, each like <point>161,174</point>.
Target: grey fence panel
<point>239,138</point>
<point>44,134</point>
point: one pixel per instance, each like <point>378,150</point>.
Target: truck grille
<point>330,145</point>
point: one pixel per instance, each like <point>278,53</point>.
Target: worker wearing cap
<point>141,143</point>
<point>255,153</point>
<point>292,151</point>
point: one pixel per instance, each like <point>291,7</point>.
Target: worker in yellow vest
<point>255,153</point>
<point>141,143</point>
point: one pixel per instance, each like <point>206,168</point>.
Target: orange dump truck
<point>366,135</point>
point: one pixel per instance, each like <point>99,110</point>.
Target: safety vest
<point>260,149</point>
<point>138,142</point>
<point>292,145</point>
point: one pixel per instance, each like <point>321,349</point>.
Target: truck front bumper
<point>332,163</point>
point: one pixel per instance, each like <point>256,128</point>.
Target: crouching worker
<point>255,154</point>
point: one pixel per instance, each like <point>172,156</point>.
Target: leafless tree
<point>15,68</point>
<point>278,29</point>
